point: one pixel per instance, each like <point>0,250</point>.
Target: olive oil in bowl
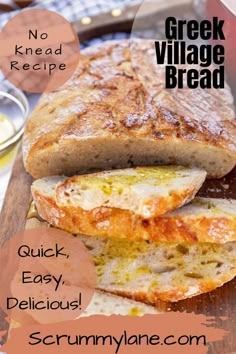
<point>7,130</point>
<point>14,109</point>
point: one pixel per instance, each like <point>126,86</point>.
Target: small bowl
<point>15,108</point>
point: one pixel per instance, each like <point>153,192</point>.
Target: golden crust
<point>105,100</point>
<point>118,223</point>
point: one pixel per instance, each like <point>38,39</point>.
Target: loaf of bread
<point>63,203</point>
<point>151,271</point>
<point>107,117</point>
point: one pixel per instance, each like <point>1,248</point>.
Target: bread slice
<point>203,220</point>
<point>108,304</point>
<point>104,117</point>
<point>150,271</point>
<point>145,191</point>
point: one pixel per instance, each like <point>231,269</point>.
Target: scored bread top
<point>146,191</point>
<point>104,118</point>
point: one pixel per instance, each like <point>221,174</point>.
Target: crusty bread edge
<point>118,223</point>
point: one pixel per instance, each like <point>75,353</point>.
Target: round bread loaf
<point>115,112</point>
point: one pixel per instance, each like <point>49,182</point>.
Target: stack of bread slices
<point>150,236</point>
<point>149,245</point>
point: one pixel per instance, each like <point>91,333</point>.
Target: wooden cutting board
<point>219,303</point>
